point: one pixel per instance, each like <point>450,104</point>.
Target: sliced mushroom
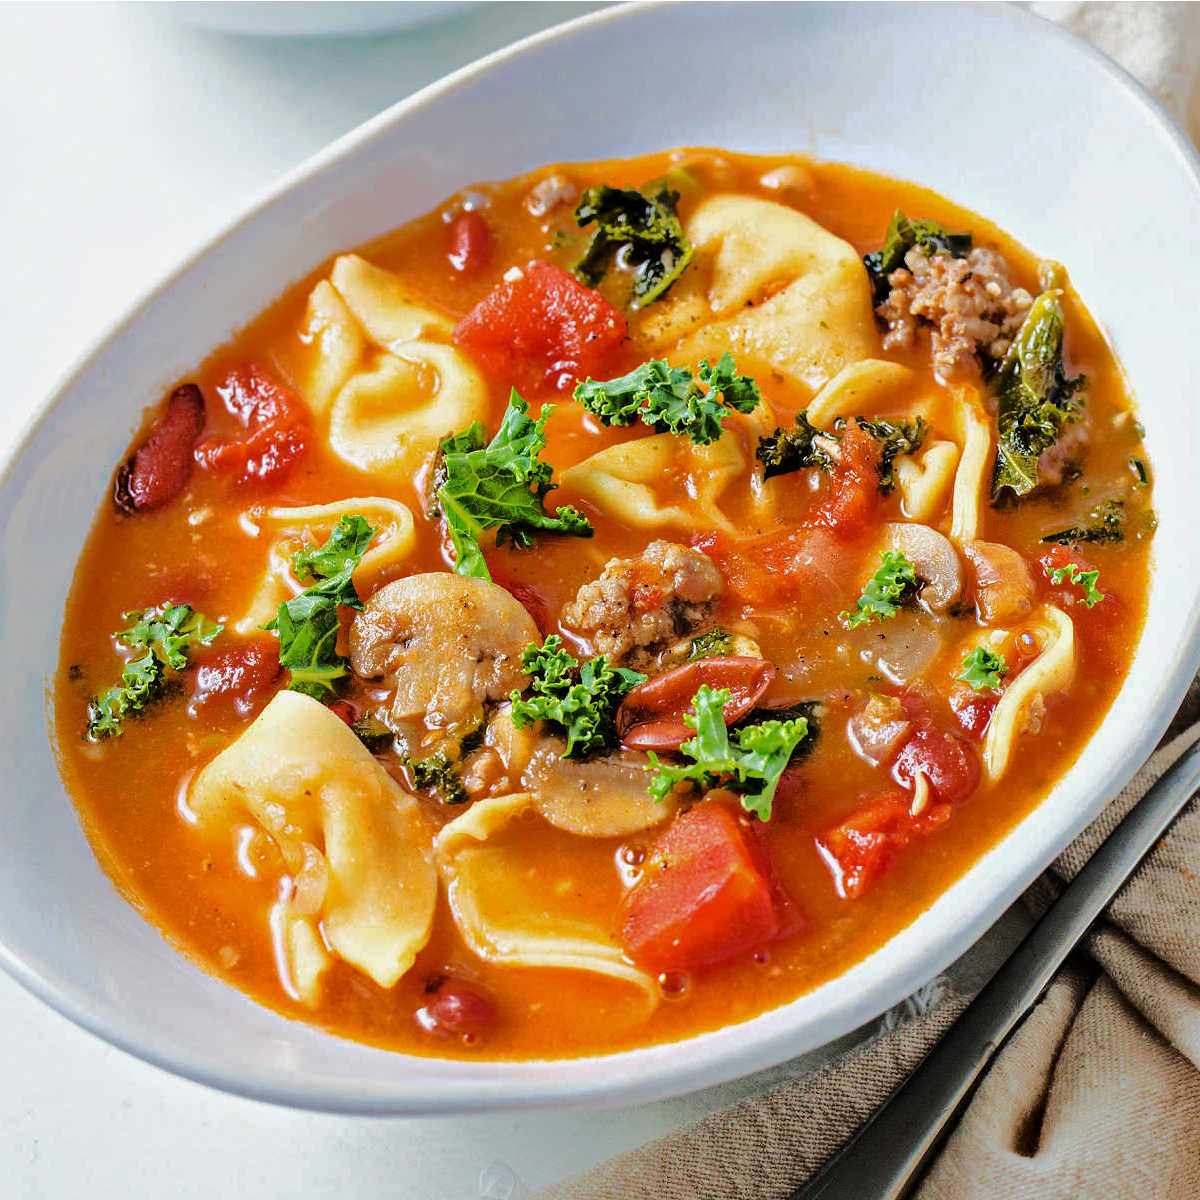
<point>444,644</point>
<point>903,648</point>
<point>598,797</point>
<point>1003,585</point>
<point>934,560</point>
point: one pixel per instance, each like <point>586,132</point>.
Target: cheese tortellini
<point>509,913</point>
<point>769,283</point>
<point>356,847</point>
<point>380,372</point>
<point>288,527</point>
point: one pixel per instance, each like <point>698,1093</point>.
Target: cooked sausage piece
<point>639,606</point>
<point>158,470</point>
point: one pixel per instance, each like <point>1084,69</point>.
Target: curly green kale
<point>902,235</point>
<point>672,399</point>
<point>1034,398</point>
<point>167,633</point>
<point>983,668</point>
<point>895,438</point>
<point>793,449</point>
<point>437,776</point>
<point>750,761</point>
<point>307,625</point>
<point>499,485</point>
<point>712,644</point>
<point>581,699</point>
<point>884,591</point>
<point>644,227</point>
<point>1108,520</point>
<point>1073,573</point>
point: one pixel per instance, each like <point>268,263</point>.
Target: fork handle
<point>884,1160</point>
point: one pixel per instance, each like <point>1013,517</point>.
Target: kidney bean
<point>158,470</point>
<point>456,1010</point>
<point>470,241</point>
<point>651,717</point>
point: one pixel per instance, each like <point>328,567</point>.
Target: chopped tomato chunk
<point>470,242</point>
<point>542,330</point>
<point>859,849</point>
<point>704,896</point>
<point>854,495</point>
<point>158,470</point>
<point>276,424</point>
<point>236,678</point>
<point>801,563</point>
<point>529,597</point>
<point>949,765</point>
<point>973,712</point>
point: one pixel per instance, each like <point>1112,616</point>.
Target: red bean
<point>456,1010</point>
<point>236,677</point>
<point>159,469</point>
<point>344,711</point>
<point>470,242</point>
<point>651,716</point>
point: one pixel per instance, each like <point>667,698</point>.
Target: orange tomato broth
<point>127,789</point>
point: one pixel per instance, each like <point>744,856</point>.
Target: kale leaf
<point>902,235</point>
<point>644,227</point>
<point>1034,397</point>
<point>983,668</point>
<point>895,438</point>
<point>439,777</point>
<point>501,485</point>
<point>750,761</point>
<point>712,644</point>
<point>792,449</point>
<point>1107,521</point>
<point>672,399</point>
<point>884,591</point>
<point>307,625</point>
<point>581,699</point>
<point>166,633</point>
<point>1073,573</point>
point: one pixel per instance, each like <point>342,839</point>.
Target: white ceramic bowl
<point>1014,119</point>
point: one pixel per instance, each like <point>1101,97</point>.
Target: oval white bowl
<point>1017,120</point>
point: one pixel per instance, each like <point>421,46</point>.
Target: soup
<point>603,610</point>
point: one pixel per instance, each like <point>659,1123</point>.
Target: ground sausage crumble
<point>639,606</point>
<point>968,304</point>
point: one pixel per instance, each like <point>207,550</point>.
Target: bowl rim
<point>719,1064</point>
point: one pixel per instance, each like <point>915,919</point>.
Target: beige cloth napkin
<point>1097,1096</point>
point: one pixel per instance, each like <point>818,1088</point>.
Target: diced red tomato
<point>799,562</point>
<point>470,242</point>
<point>276,424</point>
<point>236,678</point>
<point>947,762</point>
<point>854,496</point>
<point>542,330</point>
<point>973,711</point>
<point>651,716</point>
<point>159,469</point>
<point>646,599</point>
<point>859,849</point>
<point>704,895</point>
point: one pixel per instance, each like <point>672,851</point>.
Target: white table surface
<point>130,136</point>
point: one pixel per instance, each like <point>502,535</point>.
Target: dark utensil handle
<point>884,1160</point>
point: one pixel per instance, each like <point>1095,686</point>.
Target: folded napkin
<point>1097,1096</point>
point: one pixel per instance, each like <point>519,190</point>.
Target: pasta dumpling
<point>625,481</point>
<point>356,846</point>
<point>508,913</point>
<point>395,536</point>
<point>380,369</point>
<point>780,288</point>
